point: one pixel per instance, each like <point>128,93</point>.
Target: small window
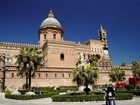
<point>39,75</point>
<point>63,75</point>
<point>55,75</point>
<point>88,56</point>
<point>12,75</point>
<point>69,75</point>
<point>45,36</point>
<point>46,75</point>
<point>62,57</point>
<point>54,36</point>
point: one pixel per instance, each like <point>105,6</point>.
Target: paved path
<point>48,101</point>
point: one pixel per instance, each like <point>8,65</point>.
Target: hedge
<point>92,97</point>
<point>75,98</point>
<point>45,90</point>
<point>72,88</point>
<point>124,96</point>
<point>135,92</point>
<point>29,97</point>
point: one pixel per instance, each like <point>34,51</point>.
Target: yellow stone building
<point>60,56</point>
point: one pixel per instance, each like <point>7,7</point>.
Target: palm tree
<point>86,74</point>
<point>77,74</point>
<point>22,64</point>
<point>29,61</point>
<point>89,75</point>
<point>117,75</point>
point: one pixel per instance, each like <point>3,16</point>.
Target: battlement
<point>17,44</point>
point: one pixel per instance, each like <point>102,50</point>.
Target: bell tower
<point>50,29</point>
<point>103,37</point>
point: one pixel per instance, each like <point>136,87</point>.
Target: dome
<point>51,21</point>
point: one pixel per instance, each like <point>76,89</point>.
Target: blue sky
<point>21,19</point>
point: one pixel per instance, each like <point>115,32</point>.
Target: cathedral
<point>60,57</point>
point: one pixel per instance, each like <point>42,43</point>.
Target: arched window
<point>55,75</point>
<point>46,75</point>
<point>12,75</point>
<point>54,36</point>
<point>45,36</point>
<point>63,75</point>
<point>62,56</point>
<point>39,75</point>
<point>69,76</point>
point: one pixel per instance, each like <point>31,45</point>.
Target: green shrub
<point>43,88</point>
<point>65,88</point>
<point>135,92</point>
<point>7,91</point>
<point>124,96</point>
<point>91,97</point>
<point>29,97</point>
<point>129,86</point>
<point>76,98</point>
<point>122,90</point>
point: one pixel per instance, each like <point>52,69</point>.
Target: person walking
<point>110,95</point>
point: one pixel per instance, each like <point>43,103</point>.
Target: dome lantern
<point>50,14</point>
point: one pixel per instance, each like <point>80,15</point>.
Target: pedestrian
<point>110,95</point>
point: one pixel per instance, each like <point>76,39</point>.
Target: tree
<point>29,61</point>
<point>117,75</point>
<point>136,69</point>
<point>77,74</point>
<point>89,75</point>
<point>86,74</point>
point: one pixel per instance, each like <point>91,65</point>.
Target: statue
<point>82,58</point>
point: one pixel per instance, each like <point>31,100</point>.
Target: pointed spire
<point>101,27</point>
<point>50,14</point>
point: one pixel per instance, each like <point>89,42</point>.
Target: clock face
<point>105,51</point>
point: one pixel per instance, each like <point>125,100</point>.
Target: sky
<point>80,19</point>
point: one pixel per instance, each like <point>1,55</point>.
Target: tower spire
<point>103,36</point>
<point>50,14</point>
<point>101,27</point>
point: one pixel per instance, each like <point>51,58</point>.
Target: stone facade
<point>128,71</point>
<point>60,56</point>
